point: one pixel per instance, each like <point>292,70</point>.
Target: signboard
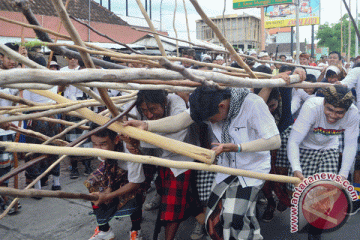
<point>237,4</point>
<point>285,15</point>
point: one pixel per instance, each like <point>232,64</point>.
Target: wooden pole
<point>148,20</point>
<point>29,193</point>
<point>60,8</point>
<point>76,151</point>
<point>221,38</point>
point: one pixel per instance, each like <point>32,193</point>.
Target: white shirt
<point>253,122</point>
<point>72,92</point>
<point>316,133</point>
<point>5,103</point>
<point>299,96</point>
<point>352,80</point>
<point>38,98</point>
<point>175,106</point>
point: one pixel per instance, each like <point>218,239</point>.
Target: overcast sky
<point>330,12</point>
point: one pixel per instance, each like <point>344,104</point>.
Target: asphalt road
<point>55,219</point>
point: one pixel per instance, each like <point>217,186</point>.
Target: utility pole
<point>349,40</point>
<point>109,5</point>
<point>297,31</point>
<point>357,25</point>
<point>127,8</point>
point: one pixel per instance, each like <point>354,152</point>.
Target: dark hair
<point>12,46</point>
<point>40,60</point>
<point>274,94</point>
<point>103,133</point>
<point>310,78</point>
<point>337,53</point>
<point>204,102</point>
<point>282,55</point>
<point>150,96</point>
<point>330,73</point>
<point>286,68</point>
<point>107,133</point>
<point>263,69</point>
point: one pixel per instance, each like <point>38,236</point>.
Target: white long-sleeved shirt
<point>312,131</point>
<point>352,80</point>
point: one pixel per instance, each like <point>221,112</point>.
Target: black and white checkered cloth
<point>281,155</point>
<point>317,161</point>
<point>204,181</point>
<point>238,216</point>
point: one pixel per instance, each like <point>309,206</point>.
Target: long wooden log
<point>22,168</point>
<point>29,193</point>
<point>30,17</point>
<point>75,36</point>
<point>222,39</point>
<point>17,147</point>
<point>128,75</point>
<point>172,145</point>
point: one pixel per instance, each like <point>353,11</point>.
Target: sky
<point>330,12</point>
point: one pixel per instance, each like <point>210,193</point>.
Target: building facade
<point>242,31</point>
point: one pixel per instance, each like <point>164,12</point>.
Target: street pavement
<point>55,219</point>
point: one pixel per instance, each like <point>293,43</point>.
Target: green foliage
<point>34,43</point>
<point>329,35</point>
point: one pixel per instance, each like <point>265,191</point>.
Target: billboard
<point>285,15</point>
<point>237,4</point>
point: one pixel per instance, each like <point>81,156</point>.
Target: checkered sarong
<point>176,198</point>
<point>317,161</point>
<point>6,157</point>
<point>204,181</point>
<point>231,211</point>
<point>281,156</point>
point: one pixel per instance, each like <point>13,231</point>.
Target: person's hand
<point>285,76</point>
<point>224,147</point>
<point>298,174</point>
<point>132,149</point>
<point>137,123</point>
<point>301,72</point>
<point>103,197</point>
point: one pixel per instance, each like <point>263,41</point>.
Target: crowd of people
<point>286,131</point>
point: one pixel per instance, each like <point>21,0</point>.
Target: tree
<point>329,35</point>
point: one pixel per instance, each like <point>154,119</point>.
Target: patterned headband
<point>333,97</point>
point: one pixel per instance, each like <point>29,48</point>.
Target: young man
<point>117,183</point>
<point>244,131</point>
<point>313,142</point>
<point>6,134</point>
<point>75,94</point>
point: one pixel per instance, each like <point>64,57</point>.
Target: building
<point>95,15</point>
<point>242,31</point>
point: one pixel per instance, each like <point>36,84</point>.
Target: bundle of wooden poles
<point>163,74</point>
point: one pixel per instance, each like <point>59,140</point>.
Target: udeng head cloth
<point>338,96</point>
